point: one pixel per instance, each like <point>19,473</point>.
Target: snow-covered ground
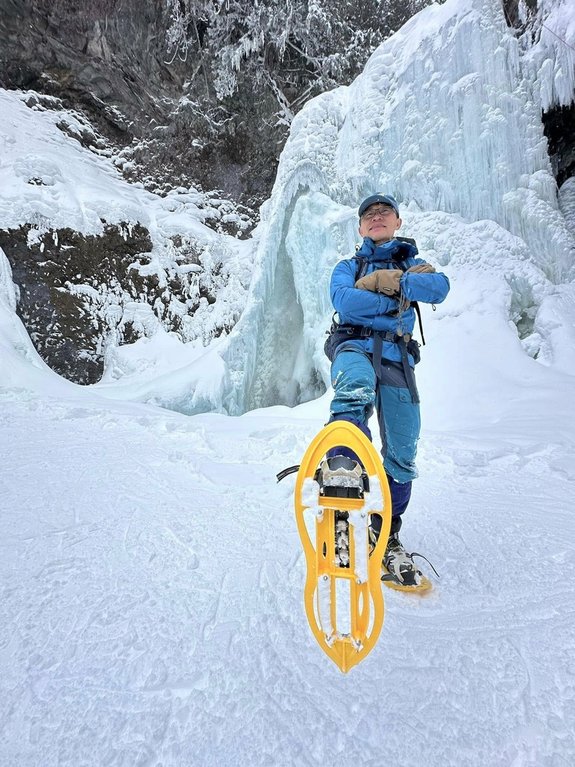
<point>151,575</point>
<point>152,594</point>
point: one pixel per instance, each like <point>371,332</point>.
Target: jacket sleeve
<point>428,288</point>
<point>354,306</point>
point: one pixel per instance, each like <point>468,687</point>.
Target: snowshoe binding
<point>399,570</point>
<point>341,477</point>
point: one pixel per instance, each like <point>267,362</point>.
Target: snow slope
<point>152,595</point>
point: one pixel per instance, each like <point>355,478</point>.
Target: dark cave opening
<point>559,127</point>
<point>558,122</point>
<point>517,17</point>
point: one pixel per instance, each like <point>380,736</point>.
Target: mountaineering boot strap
<point>399,563</point>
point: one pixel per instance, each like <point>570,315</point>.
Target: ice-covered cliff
<point>446,116</point>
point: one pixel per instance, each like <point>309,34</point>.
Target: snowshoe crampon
<point>342,596</point>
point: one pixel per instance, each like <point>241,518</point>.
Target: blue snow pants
<point>357,393</point>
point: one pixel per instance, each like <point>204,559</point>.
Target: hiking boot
<point>341,477</point>
<point>399,563</point>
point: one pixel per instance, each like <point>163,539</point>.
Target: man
<point>373,358</point>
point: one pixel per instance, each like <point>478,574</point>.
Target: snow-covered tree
<point>292,48</point>
<point>257,62</point>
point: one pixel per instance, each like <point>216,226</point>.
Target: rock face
<point>196,92</point>
<point>111,60</point>
<point>105,56</point>
<point>60,281</point>
<point>82,295</point>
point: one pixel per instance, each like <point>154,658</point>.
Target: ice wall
<point>550,59</point>
<point>447,116</point>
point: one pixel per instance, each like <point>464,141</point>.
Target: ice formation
<point>447,116</point>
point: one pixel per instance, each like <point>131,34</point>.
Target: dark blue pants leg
<point>400,495</point>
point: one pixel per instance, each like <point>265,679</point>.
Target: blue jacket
<point>377,311</point>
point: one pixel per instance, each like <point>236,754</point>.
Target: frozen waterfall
<point>446,116</point>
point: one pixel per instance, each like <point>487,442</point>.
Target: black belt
<point>359,331</point>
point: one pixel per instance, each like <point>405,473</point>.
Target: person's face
<point>379,223</point>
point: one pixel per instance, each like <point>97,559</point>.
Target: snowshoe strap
<point>286,472</point>
<point>415,554</point>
